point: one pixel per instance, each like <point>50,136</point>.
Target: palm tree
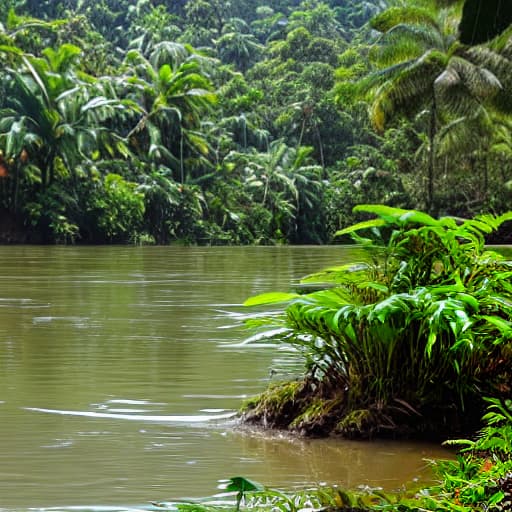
<point>173,97</point>
<point>51,118</point>
<point>422,67</point>
<point>237,45</point>
<point>283,180</point>
<point>244,130</point>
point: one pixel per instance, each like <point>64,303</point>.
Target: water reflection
<point>120,369</point>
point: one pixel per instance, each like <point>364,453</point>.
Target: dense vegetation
<point>246,121</point>
<point>406,341</point>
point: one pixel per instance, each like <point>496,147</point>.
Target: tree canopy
<point>248,122</point>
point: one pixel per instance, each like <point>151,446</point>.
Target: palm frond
<point>465,135</point>
<point>412,85</point>
<point>393,16</point>
<point>170,53</point>
<point>397,50</point>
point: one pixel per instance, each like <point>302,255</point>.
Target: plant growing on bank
<point>406,341</point>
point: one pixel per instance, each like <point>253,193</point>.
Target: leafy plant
<point>119,208</point>
<point>241,486</point>
<point>409,338</point>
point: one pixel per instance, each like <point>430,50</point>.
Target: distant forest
<point>245,121</point>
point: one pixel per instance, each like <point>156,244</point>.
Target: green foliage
<point>495,439</point>
<point>419,327</point>
<point>172,97</point>
<point>92,82</point>
<point>52,214</point>
<point>370,174</point>
<point>119,209</point>
<point>420,69</point>
<point>478,479</point>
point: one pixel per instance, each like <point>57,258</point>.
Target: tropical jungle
<point>244,122</point>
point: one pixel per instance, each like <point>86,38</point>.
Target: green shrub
<point>413,336</point>
<point>119,208</point>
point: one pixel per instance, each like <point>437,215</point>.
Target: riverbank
<point>479,479</point>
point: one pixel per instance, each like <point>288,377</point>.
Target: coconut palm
<point>244,130</point>
<point>238,46</point>
<point>421,67</point>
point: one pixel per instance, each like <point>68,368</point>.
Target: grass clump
<point>407,341</point>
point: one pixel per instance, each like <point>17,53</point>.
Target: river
<point>120,368</point>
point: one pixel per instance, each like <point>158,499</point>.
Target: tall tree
<point>421,65</point>
<point>173,96</point>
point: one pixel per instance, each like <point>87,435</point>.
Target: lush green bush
<point>118,208</point>
<point>407,340</point>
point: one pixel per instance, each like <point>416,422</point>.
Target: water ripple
<point>174,418</point>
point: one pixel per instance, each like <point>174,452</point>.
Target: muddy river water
<point>120,368</point>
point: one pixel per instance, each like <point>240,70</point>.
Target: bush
<point>407,340</point>
<point>118,209</point>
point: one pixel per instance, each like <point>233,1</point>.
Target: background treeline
<point>247,121</point>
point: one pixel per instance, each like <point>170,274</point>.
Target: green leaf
<point>381,210</point>
<point>241,484</point>
<point>270,298</point>
<point>14,140</point>
<point>374,223</point>
<point>98,102</point>
<point>430,343</point>
<point>496,498</point>
<point>11,49</point>
<point>375,286</point>
<point>419,218</point>
<point>469,300</point>
<point>349,271</point>
<point>503,325</point>
<point>165,73</point>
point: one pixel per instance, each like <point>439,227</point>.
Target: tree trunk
<point>320,148</point>
<point>431,155</point>
<point>302,128</point>
<point>182,169</point>
<point>16,188</point>
<point>486,174</point>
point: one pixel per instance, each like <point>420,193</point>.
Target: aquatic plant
<point>408,340</point>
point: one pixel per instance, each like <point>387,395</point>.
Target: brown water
<point>119,369</point>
